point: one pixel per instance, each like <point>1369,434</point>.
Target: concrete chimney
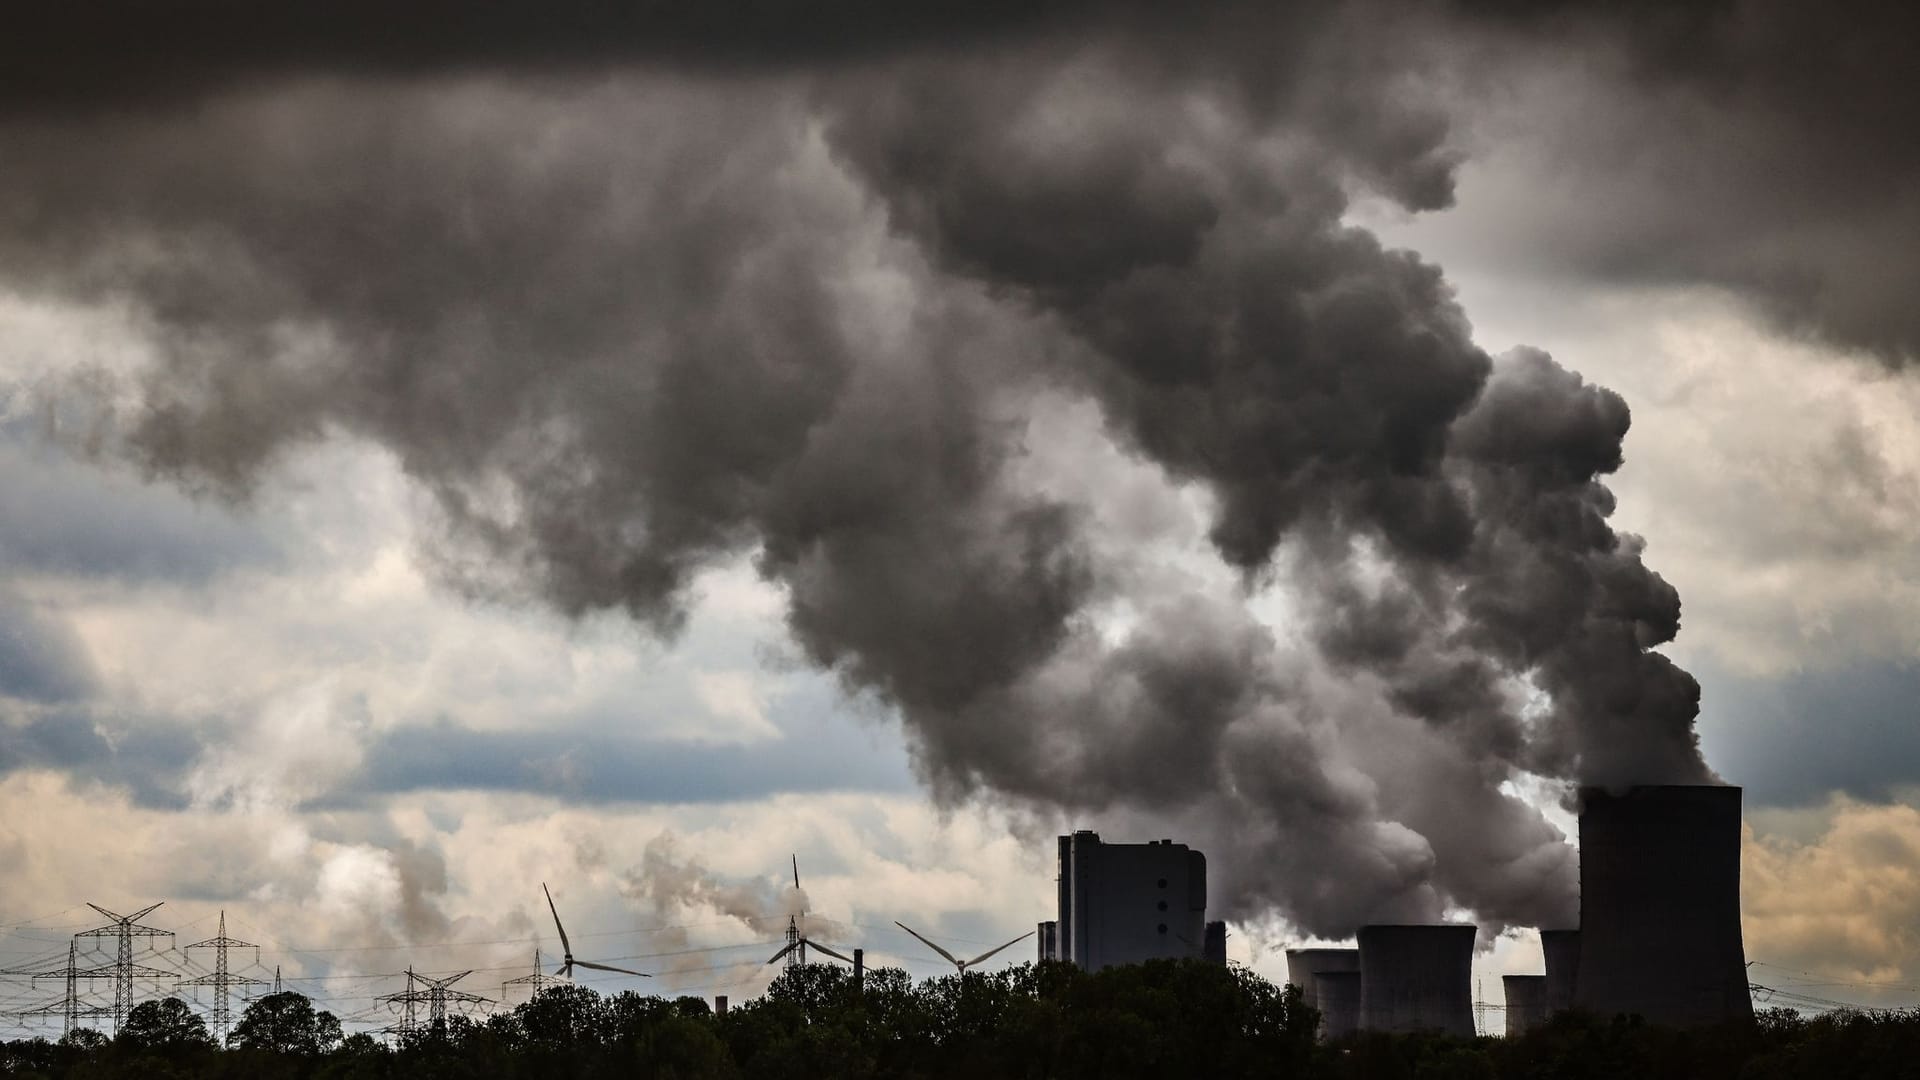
<point>1526,1002</point>
<point>1660,905</point>
<point>1338,993</point>
<point>1417,978</point>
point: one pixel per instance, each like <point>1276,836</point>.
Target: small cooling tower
<point>1304,964</point>
<point>1526,1002</point>
<point>1562,951</point>
<point>1417,978</point>
<point>1660,905</point>
<point>1338,994</point>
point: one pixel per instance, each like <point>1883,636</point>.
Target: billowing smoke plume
<point>672,887</point>
<point>625,330</point>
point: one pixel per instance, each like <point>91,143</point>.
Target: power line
<point>68,1006</point>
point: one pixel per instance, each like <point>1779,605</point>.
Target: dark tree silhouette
<point>165,1026</point>
<point>285,1023</point>
<point>1048,1021</point>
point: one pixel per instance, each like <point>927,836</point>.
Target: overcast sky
<point>443,456</point>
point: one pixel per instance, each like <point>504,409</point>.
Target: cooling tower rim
<point>1653,791</point>
<point>1329,950</point>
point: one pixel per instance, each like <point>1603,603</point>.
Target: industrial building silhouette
<point>1659,935</point>
<point>1127,903</point>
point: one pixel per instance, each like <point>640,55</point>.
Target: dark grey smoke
<point>624,330</point>
<point>1762,146</point>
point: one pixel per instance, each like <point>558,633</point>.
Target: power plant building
<point>1128,903</point>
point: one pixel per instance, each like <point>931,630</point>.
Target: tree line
<point>1160,1019</point>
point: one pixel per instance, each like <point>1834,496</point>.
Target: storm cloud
<point>624,322</point>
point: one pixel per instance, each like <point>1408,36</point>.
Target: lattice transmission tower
<point>123,929</point>
<point>69,1006</point>
<point>435,994</point>
<point>536,982</point>
<point>439,995</point>
<point>222,979</point>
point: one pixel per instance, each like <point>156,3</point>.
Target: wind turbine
<point>798,943</point>
<point>566,949</point>
<point>958,964</point>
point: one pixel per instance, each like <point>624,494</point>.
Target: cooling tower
<point>1304,964</point>
<point>1562,951</point>
<point>1338,993</point>
<point>1660,905</point>
<point>1526,1002</point>
<point>1417,978</point>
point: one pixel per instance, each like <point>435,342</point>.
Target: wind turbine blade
<point>819,948</point>
<point>103,911</point>
<point>566,949</point>
<point>796,871</point>
<point>782,952</point>
<point>610,967</point>
<point>997,948</point>
<point>145,911</point>
<point>951,959</point>
<point>564,969</point>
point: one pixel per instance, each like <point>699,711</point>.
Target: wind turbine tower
<point>796,943</point>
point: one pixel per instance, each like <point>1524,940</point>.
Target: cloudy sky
<point>444,454</point>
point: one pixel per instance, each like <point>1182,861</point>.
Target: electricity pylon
<point>124,929</point>
<point>405,1001</point>
<point>221,979</point>
<point>439,993</point>
<point>68,1006</point>
<point>435,997</point>
<point>536,982</point>
<point>276,978</point>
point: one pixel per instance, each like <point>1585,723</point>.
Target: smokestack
<point>1526,1002</point>
<point>1214,951</point>
<point>859,970</point>
<point>1562,951</point>
<point>1660,905</point>
<point>1338,994</point>
<point>720,1004</point>
<point>1417,978</point>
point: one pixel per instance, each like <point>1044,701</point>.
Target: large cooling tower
<point>1562,952</point>
<point>1417,978</point>
<point>1526,1002</point>
<point>1338,993</point>
<point>1660,905</point>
